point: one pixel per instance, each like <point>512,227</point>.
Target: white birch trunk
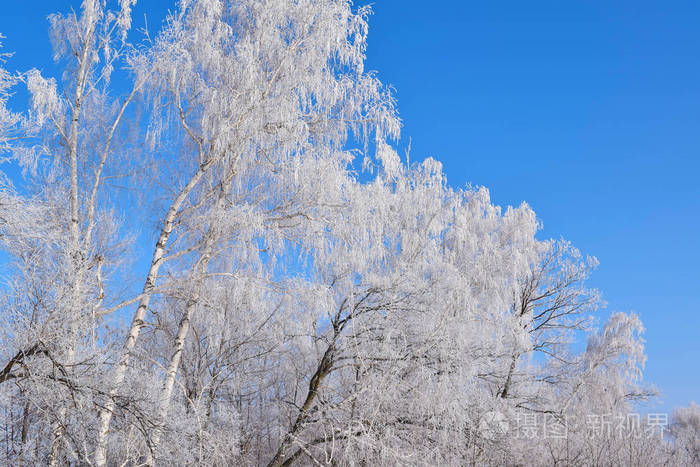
<point>184,326</point>
<point>167,390</point>
<point>74,251</point>
<point>137,322</point>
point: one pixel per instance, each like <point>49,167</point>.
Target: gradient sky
<point>587,110</point>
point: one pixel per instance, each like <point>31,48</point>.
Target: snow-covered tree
<point>685,431</point>
<point>8,119</point>
<point>274,285</point>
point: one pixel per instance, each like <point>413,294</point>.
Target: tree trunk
<point>75,251</point>
<point>137,321</point>
<point>183,328</point>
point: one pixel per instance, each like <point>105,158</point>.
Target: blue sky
<point>589,111</point>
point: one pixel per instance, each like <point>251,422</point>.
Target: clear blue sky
<point>587,110</point>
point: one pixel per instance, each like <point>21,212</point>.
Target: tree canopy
<point>305,295</point>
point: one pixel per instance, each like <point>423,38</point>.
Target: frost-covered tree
<point>685,431</point>
<point>253,96</point>
<point>8,119</point>
<point>550,306</point>
<point>61,229</point>
<point>275,286</point>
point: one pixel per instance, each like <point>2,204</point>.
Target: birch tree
<point>390,327</point>
<point>69,139</point>
<point>253,90</point>
<point>272,284</point>
<point>552,308</point>
<point>8,119</point>
<point>685,430</point>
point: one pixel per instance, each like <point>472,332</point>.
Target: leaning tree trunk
<point>137,321</point>
<point>199,272</point>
